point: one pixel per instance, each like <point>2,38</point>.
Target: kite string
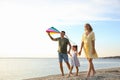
<point>70,40</point>
<point>72,43</point>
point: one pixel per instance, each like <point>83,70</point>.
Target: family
<point>88,44</point>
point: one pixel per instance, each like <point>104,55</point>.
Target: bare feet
<point>93,73</point>
<point>62,74</point>
<point>68,75</point>
<point>87,78</point>
<point>71,73</point>
<point>76,74</point>
<point>88,75</point>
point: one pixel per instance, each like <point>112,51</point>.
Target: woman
<point>88,43</point>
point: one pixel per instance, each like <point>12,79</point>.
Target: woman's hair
<point>75,46</point>
<point>90,27</point>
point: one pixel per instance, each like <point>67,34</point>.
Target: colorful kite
<point>52,30</point>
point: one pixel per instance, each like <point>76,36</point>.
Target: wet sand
<point>101,74</point>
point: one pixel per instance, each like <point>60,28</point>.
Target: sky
<point>23,25</point>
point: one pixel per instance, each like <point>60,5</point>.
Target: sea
<point>25,68</point>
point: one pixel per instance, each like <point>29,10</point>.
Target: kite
<point>52,30</point>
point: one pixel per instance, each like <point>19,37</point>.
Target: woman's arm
<point>93,46</point>
<point>93,43</point>
<point>82,44</point>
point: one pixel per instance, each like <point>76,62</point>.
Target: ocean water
<point>24,68</point>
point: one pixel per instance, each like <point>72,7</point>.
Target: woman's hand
<point>80,52</point>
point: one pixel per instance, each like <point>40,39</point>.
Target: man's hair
<point>63,32</point>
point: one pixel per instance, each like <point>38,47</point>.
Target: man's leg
<point>61,68</point>
<point>60,63</point>
<point>71,68</point>
<point>68,65</point>
<point>65,56</point>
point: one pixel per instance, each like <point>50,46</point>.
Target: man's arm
<point>69,48</point>
<point>54,39</point>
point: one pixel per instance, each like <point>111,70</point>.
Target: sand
<point>101,74</point>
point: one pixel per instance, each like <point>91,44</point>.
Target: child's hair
<point>75,46</point>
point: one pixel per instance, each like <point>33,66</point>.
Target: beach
<point>38,68</point>
<point>101,74</point>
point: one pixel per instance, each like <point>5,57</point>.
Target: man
<point>62,49</point>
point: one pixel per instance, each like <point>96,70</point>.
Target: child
<point>74,60</point>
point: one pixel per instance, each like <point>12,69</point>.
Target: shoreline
<point>101,74</point>
<point>108,57</point>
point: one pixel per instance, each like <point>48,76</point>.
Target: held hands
<point>80,52</point>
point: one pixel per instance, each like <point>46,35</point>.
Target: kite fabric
<point>52,30</point>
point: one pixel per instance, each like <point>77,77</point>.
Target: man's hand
<point>48,33</point>
<point>68,52</point>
